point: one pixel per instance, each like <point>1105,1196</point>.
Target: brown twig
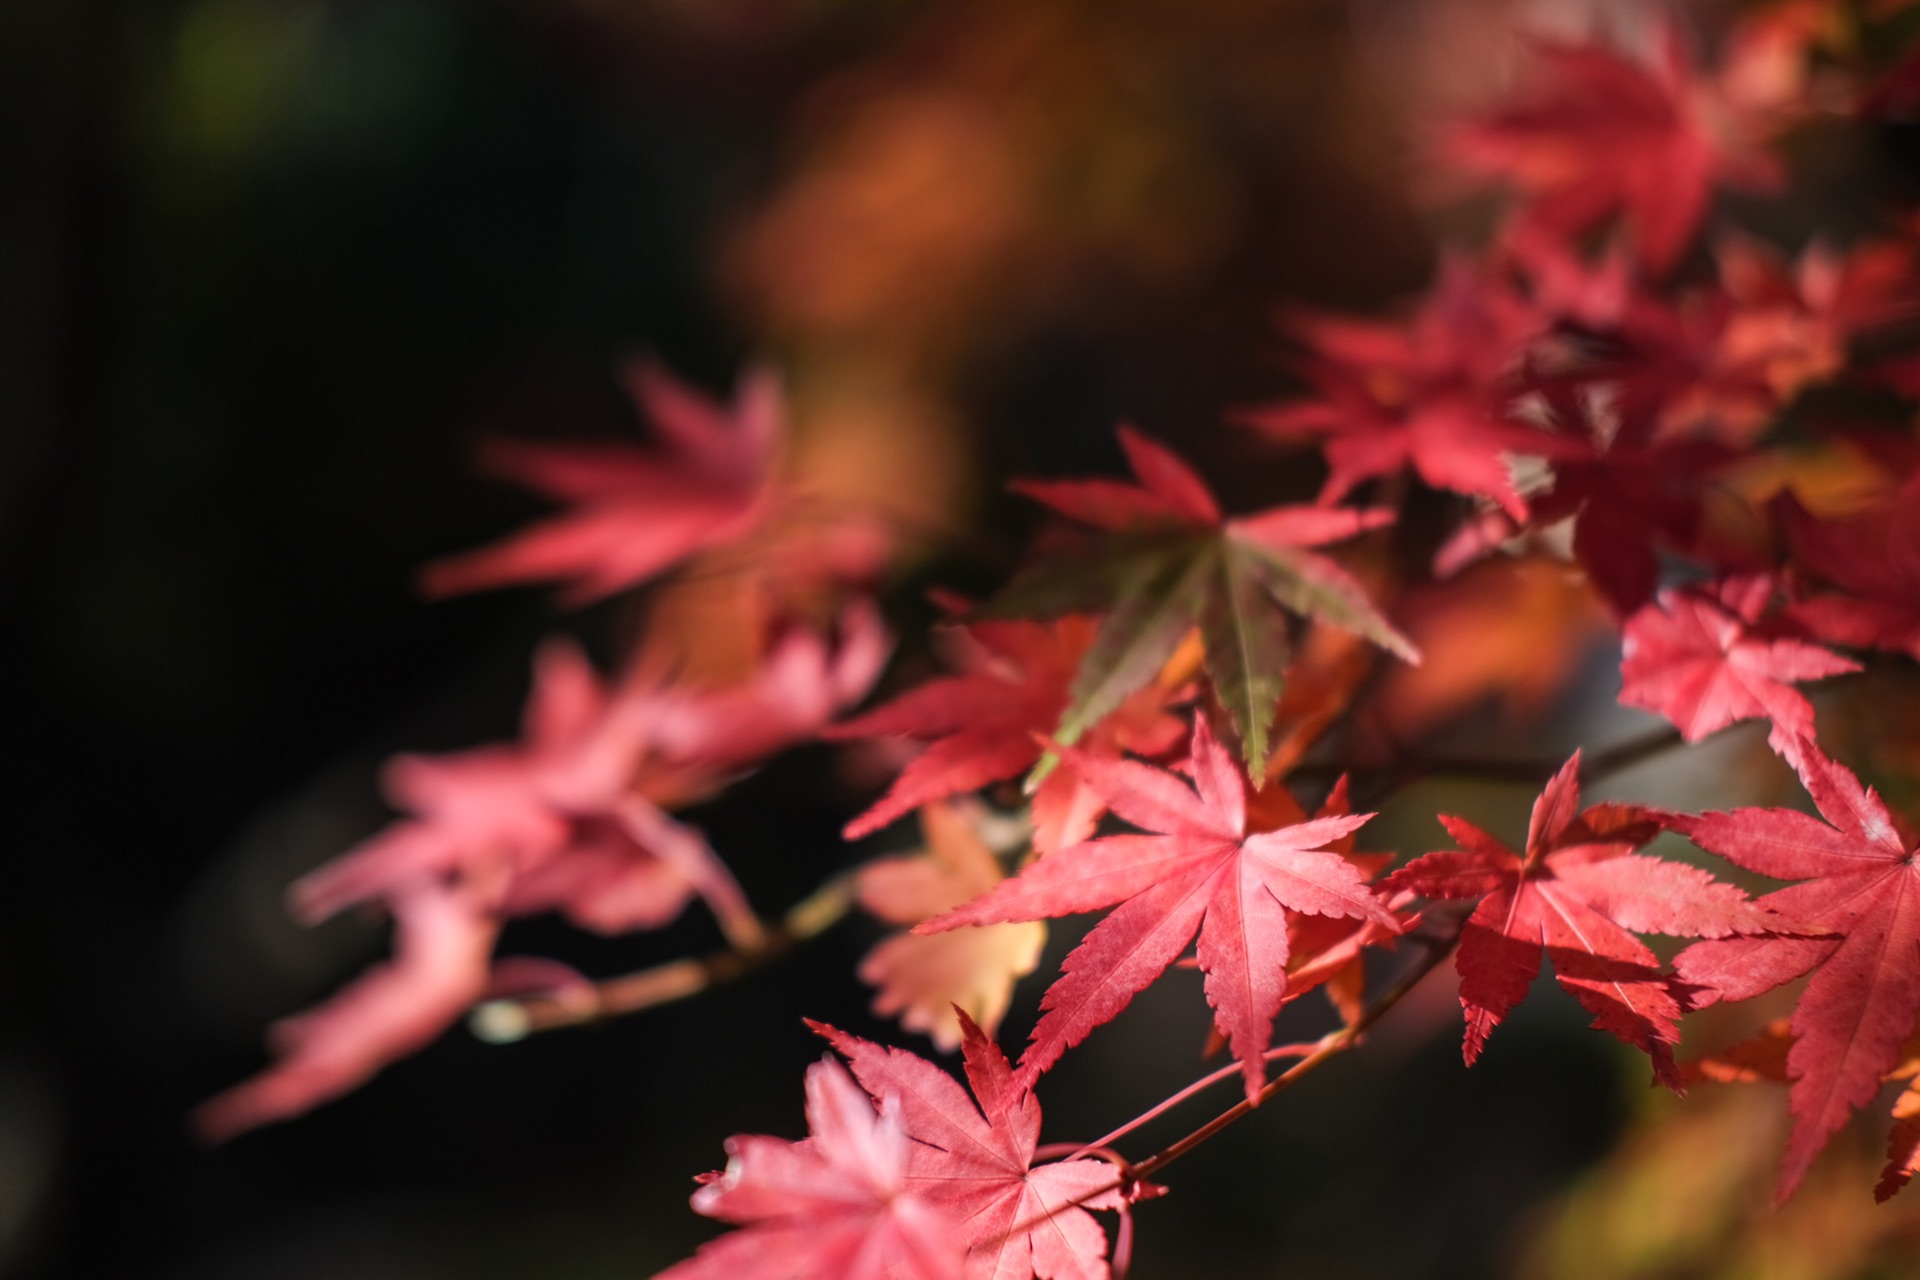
<point>506,1020</point>
<point>1436,947</point>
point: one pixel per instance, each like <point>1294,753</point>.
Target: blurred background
<point>269,267</point>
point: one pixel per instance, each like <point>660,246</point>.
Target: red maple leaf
<point>1795,322</point>
<point>1598,134</point>
<point>1862,889</point>
<point>1703,660</point>
<point>835,1206</point>
<point>1627,491</point>
<point>981,726</point>
<point>1329,951</point>
<point>635,513</point>
<point>975,1160</point>
<point>1579,892</point>
<point>1431,394</point>
<point>1203,871</point>
<point>1873,557</point>
<point>1714,361</point>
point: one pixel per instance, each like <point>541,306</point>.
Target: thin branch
<point>504,1021</point>
<point>1205,1082</point>
<point>1436,947</point>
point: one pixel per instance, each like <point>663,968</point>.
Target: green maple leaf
<point>1171,563</point>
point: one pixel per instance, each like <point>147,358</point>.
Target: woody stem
<point>506,1020</point>
<point>1436,948</point>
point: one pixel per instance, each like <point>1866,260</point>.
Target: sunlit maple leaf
<point>1903,1140</point>
<point>1579,892</point>
<point>1596,134</point>
<point>974,1158</point>
<point>1764,1057</point>
<point>1430,394</point>
<point>1324,952</point>
<point>502,814</point>
<point>1172,562</point>
<point>835,1206</point>
<point>933,981</point>
<point>1704,659</point>
<point>985,725</point>
<point>1761,1056</point>
<point>1863,890</point>
<point>1200,871</point>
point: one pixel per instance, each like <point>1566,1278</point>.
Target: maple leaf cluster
<point>1621,415</point>
<point>574,817</point>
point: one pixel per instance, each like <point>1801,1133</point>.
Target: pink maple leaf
<point>634,513</point>
<point>975,1159</point>
<point>836,1206</point>
<point>1202,871</point>
<point>1578,893</point>
<point>564,813</point>
<point>443,941</point>
<point>552,820</point>
<point>1861,891</point>
<point>1703,660</point>
<point>560,821</point>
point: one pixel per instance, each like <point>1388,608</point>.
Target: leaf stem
<point>1436,947</point>
<point>1229,1071</point>
<point>507,1020</point>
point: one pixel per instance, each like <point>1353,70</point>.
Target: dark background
<point>266,268</point>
